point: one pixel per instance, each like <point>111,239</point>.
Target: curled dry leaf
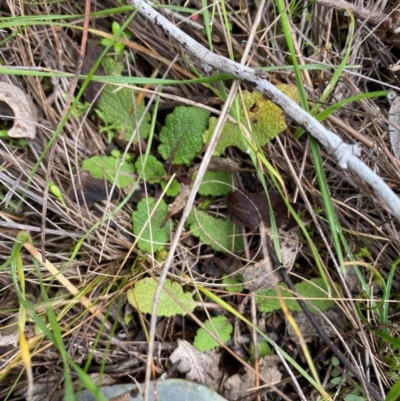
<point>261,274</point>
<point>200,367</point>
<point>394,127</point>
<point>289,244</point>
<point>23,113</point>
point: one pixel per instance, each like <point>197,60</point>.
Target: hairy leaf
<point>174,188</point>
<point>216,183</point>
<point>142,297</point>
<point>154,235</point>
<point>109,167</point>
<point>153,171</point>
<point>233,283</point>
<point>315,288</point>
<point>263,350</point>
<point>268,301</point>
<point>181,137</point>
<point>118,106</point>
<point>221,235</point>
<point>266,121</point>
<point>220,327</point>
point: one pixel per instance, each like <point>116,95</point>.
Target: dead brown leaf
<point>239,385</point>
<point>200,367</point>
<point>334,315</point>
<point>249,210</point>
<point>90,189</point>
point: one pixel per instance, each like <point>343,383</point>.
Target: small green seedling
<point>118,47</point>
<point>57,193</point>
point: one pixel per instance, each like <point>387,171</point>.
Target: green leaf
<point>181,137</point>
<point>108,167</point>
<point>315,288</point>
<point>263,350</point>
<point>394,392</point>
<point>142,296</point>
<point>115,27</point>
<point>267,299</point>
<point>174,188</point>
<point>221,235</point>
<point>266,121</point>
<point>220,327</point>
<point>216,183</point>
<point>233,283</point>
<point>153,171</point>
<point>351,397</point>
<point>153,236</point>
<point>118,109</point>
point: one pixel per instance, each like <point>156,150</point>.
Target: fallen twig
<point>372,17</point>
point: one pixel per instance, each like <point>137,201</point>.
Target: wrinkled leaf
<point>240,384</point>
<point>216,183</point>
<point>118,106</point>
<point>219,326</point>
<point>154,235</point>
<point>233,283</point>
<point>181,136</point>
<point>267,299</point>
<point>142,297</point>
<point>110,168</point>
<point>394,127</point>
<point>266,119</point>
<point>152,171</point>
<point>197,366</point>
<point>221,235</point>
